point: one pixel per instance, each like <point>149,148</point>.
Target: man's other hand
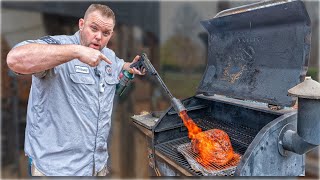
<point>134,70</point>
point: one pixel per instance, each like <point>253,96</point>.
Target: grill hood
<point>257,54</point>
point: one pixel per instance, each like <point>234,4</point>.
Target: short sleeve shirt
<point>69,113</point>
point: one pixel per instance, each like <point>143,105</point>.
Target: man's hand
<point>91,56</point>
<point>133,70</point>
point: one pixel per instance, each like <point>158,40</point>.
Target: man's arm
<point>33,58</point>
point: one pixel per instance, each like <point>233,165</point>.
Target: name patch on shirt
<point>82,69</point>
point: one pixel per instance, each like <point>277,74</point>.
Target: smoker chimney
<point>307,134</point>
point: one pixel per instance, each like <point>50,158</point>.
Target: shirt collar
<point>77,37</point>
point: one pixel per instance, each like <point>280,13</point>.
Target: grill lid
<point>258,53</point>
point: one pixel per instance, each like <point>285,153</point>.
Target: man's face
<point>95,30</point>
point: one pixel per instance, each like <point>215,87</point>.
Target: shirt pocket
<point>82,89</point>
<point>82,79</point>
<point>111,80</point>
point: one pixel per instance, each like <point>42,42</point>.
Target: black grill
<point>256,53</point>
<point>170,149</point>
<point>240,137</point>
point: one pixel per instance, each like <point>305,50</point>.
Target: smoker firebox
<point>256,53</point>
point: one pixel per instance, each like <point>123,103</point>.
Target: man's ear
<point>81,23</point>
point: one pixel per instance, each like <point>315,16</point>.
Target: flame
<point>213,146</point>
<point>193,129</point>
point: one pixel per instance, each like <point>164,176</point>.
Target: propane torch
<point>144,63</point>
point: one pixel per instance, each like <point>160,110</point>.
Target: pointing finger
<point>104,58</point>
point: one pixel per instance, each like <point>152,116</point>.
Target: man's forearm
<point>32,58</point>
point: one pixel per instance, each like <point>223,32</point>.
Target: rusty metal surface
<point>258,55</point>
<point>145,120</point>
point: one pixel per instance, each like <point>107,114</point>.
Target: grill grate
<point>240,137</point>
<point>210,169</point>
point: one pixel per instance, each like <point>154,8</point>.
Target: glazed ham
<point>213,146</point>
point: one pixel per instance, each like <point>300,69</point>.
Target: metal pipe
<point>163,85</point>
<point>307,135</point>
<point>177,105</point>
<point>294,143</point>
<point>309,120</point>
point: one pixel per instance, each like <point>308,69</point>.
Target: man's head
<point>96,28</point>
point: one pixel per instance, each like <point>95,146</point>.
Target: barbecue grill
<point>256,53</point>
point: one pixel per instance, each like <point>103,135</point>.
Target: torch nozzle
<point>177,105</point>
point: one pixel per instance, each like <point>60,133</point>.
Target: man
<point>71,97</point>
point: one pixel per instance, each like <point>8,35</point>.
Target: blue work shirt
<point>69,114</point>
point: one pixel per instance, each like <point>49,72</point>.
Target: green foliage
<point>313,72</point>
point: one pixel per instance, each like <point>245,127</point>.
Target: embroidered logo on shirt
<point>108,70</point>
<point>82,69</point>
